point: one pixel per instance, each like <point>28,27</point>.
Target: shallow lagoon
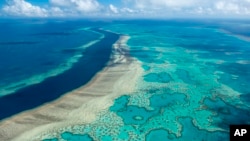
<point>190,89</point>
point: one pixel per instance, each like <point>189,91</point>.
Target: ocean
<point>43,60</point>
<point>194,83</point>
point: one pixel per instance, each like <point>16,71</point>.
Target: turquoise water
<point>194,85</point>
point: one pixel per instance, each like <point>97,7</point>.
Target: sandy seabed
<point>81,105</point>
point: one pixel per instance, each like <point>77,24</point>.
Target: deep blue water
<point>31,50</point>
<point>93,60</point>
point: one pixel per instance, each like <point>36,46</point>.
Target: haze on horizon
<point>125,8</point>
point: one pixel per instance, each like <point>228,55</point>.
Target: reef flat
<point>81,105</point>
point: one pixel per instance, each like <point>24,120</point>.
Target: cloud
<point>61,3</point>
<point>134,8</point>
<point>56,12</point>
<point>195,7</point>
<point>227,7</point>
<point>233,6</point>
<point>113,9</point>
<point>127,10</point>
<point>56,8</point>
<point>23,8</point>
<point>158,4</point>
<point>83,6</point>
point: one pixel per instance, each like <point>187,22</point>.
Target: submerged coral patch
<point>145,67</point>
<point>230,114</point>
<point>191,133</point>
<point>183,75</point>
<point>136,115</point>
<point>163,100</point>
<point>75,137</point>
<point>180,96</point>
<point>162,77</point>
<point>120,104</point>
<point>157,135</point>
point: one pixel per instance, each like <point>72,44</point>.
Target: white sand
<point>81,105</point>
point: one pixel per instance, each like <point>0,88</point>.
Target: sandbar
<point>81,105</point>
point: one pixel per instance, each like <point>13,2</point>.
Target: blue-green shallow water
<point>194,85</point>
<point>93,60</point>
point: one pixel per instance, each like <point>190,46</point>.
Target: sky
<point>125,8</point>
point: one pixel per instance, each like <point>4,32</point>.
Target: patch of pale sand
<point>227,94</point>
<point>243,62</point>
<point>81,105</point>
<point>190,51</point>
<point>220,62</point>
<point>241,37</point>
<point>233,53</point>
